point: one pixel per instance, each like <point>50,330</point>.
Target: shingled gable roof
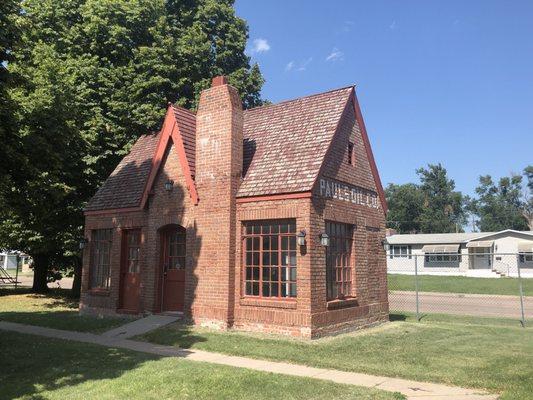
<point>285,144</point>
<point>128,186</point>
<point>284,148</point>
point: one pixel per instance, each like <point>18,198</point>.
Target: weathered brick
<point>212,150</point>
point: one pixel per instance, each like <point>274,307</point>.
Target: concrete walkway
<point>411,389</point>
<point>141,326</point>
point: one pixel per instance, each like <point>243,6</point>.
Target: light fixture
<point>300,237</point>
<point>83,242</point>
<point>324,239</point>
<point>385,245</point>
<point>169,184</point>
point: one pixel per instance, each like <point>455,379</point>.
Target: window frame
<point>445,258</point>
<point>127,234</point>
<point>344,270</point>
<point>525,257</point>
<point>254,230</point>
<point>351,147</point>
<point>408,251</point>
<point>100,237</point>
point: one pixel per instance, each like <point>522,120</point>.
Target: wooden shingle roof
<point>284,148</point>
<point>285,143</point>
<point>125,186</point>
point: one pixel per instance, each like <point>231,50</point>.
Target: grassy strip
<point>35,367</point>
<point>460,284</point>
<point>462,352</point>
<point>54,310</point>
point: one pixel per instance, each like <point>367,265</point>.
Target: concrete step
<point>141,326</point>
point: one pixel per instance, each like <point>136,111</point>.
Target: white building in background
<point>484,254</point>
<point>9,260</point>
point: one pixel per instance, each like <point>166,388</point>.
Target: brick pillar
<point>219,139</point>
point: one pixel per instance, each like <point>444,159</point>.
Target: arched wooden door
<point>173,250</point>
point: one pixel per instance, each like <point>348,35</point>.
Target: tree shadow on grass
<point>397,317</point>
<point>32,365</point>
<point>52,310</point>
<point>179,334</point>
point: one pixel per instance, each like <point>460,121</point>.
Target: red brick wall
<point>164,208</point>
<point>287,316</point>
<point>106,302</point>
<point>219,141</point>
<point>370,302</point>
<point>214,266</point>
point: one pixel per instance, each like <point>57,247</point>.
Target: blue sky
<point>447,81</point>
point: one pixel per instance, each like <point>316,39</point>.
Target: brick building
<point>270,219</point>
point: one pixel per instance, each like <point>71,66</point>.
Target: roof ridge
<point>299,98</point>
<point>178,107</point>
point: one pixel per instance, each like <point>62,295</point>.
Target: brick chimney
<point>219,141</point>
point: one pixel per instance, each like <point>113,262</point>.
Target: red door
<point>130,278</point>
<point>173,260</point>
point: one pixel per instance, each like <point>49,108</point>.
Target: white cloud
<point>392,26</point>
<point>298,66</point>
<point>289,66</point>
<point>335,55</point>
<point>260,46</point>
<point>303,65</point>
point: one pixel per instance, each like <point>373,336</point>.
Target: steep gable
<point>125,186</point>
<point>361,171</point>
<point>285,143</point>
<point>129,185</point>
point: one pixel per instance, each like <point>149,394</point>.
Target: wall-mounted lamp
<point>169,184</point>
<point>385,245</point>
<point>83,242</point>
<point>324,239</point>
<point>300,238</point>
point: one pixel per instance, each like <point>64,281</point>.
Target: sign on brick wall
<point>352,194</point>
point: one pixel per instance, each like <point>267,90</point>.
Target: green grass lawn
<point>460,284</point>
<point>54,310</point>
<point>41,368</point>
<point>464,351</point>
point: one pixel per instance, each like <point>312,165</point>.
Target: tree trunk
<point>76,284</point>
<point>40,272</point>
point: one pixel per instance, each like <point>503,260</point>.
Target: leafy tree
<point>433,206</point>
<point>9,150</point>
<point>443,206</point>
<point>499,206</point>
<point>527,207</point>
<point>95,75</point>
<point>406,204</point>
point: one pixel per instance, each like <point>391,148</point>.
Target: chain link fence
<point>492,285</point>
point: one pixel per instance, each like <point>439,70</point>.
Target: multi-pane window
<point>400,251</point>
<point>101,240</point>
<point>270,258</point>
<point>443,258</point>
<point>175,249</point>
<point>339,260</point>
<point>133,250</point>
<point>526,258</point>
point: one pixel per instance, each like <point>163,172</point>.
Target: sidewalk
<point>411,389</point>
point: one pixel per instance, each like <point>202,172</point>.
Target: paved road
<point>480,305</point>
<point>27,281</point>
